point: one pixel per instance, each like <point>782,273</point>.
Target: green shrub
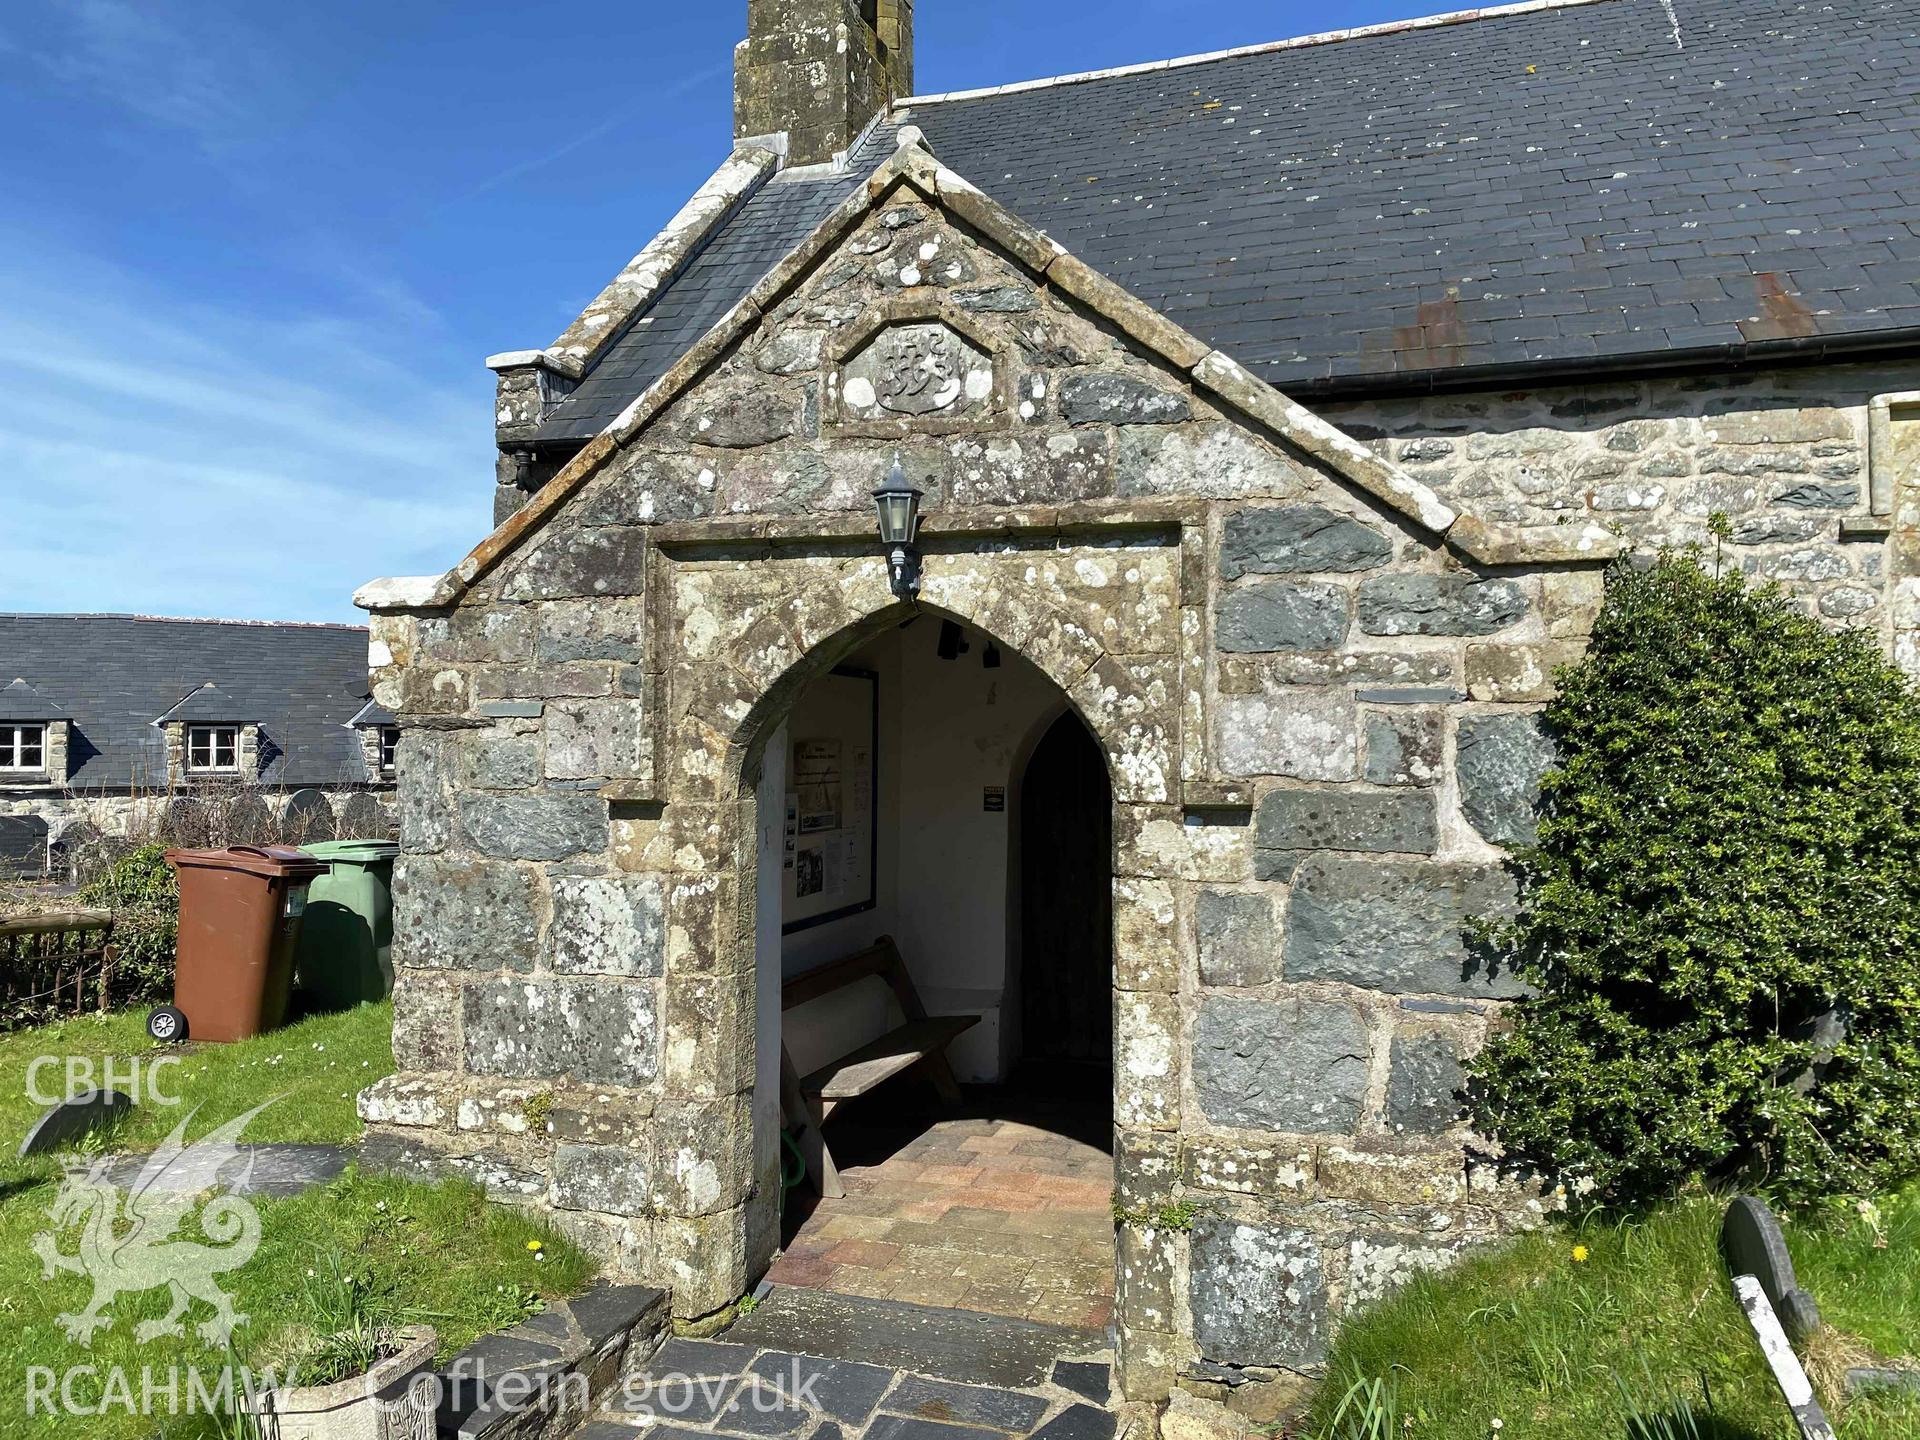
<point>1728,864</point>
<point>144,895</point>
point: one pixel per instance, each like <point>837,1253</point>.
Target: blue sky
<point>252,255</point>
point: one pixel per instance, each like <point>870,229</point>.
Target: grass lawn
<point>440,1251</point>
<point>1532,1338</point>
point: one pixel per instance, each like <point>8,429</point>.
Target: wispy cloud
<point>189,458</point>
<point>650,100</point>
<point>193,70</point>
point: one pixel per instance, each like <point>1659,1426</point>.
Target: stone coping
<point>511,1382</point>
<point>744,171</point>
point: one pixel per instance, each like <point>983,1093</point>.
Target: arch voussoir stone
<point>1132,704</point>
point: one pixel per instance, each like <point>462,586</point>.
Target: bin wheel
<point>166,1024</point>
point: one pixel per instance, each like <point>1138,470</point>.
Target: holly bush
<point>1722,912</point>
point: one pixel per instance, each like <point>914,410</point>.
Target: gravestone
<point>249,821</point>
<point>80,846</point>
<point>307,818</point>
<point>80,1112</point>
<point>1864,1379</point>
<point>1751,1240</point>
<point>1763,1283</point>
<point>185,824</point>
<point>23,845</point>
<point>364,818</point>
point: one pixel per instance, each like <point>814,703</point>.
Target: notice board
<point>830,845</point>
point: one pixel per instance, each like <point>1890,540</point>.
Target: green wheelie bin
<point>346,945</point>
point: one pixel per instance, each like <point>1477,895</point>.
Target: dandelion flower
<point>1580,1253</point>
<point>534,1245</point>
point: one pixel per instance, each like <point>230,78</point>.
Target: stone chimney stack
<point>819,70</point>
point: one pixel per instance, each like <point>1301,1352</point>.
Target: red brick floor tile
<point>868,1254</point>
<point>803,1270</point>
<point>997,1216</point>
<point>990,1144</point>
<point>925,1210</point>
<point>950,1174</point>
<point>850,1227</point>
<point>1003,1197</point>
<point>970,1214</point>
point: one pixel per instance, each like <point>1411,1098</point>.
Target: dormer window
<point>213,749</point>
<point>389,749</point>
<point>23,748</point>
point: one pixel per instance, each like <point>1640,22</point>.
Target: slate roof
<point>116,674</point>
<point>1537,194</point>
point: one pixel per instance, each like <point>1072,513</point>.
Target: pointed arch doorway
<point>991,874</point>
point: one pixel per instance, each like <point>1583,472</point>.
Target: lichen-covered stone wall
<point>1320,721</point>
<point>1785,454</point>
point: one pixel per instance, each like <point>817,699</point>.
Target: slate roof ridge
<point>1264,47</point>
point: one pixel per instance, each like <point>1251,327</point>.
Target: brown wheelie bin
<point>240,913</point>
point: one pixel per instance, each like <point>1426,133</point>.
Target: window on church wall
<point>23,747</point>
<point>213,749</point>
<point>389,748</point>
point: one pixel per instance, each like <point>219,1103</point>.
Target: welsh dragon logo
<point>127,1238</point>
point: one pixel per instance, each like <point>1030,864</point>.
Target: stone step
<point>961,1345</point>
<point>812,1365</point>
<point>542,1377</point>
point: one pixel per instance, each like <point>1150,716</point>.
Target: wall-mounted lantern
<point>898,504</point>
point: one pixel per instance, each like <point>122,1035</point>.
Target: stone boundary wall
<point>76,820</point>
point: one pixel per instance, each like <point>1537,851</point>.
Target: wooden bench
<point>920,1042</point>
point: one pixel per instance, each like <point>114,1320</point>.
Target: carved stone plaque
<point>916,370</point>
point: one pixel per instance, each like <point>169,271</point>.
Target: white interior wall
<point>962,728</point>
<point>948,730</point>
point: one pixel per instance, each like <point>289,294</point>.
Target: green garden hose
<point>789,1178</point>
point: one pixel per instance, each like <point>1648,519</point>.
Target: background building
<point>116,728</point>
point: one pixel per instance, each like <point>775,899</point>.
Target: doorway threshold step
<point>964,1346</point>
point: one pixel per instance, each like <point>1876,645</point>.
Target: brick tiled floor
<point>1007,1210</point>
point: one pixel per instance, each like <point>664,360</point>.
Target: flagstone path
<point>740,1387</point>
